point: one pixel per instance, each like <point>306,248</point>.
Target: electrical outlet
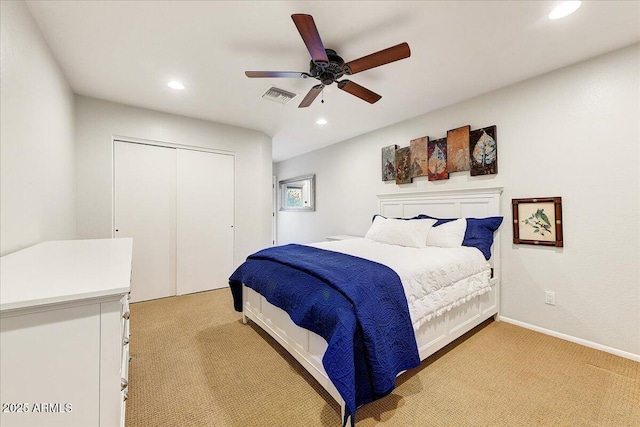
<point>550,298</point>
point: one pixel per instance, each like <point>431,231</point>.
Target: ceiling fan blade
<point>309,33</point>
<point>311,96</point>
<point>359,91</point>
<point>288,74</point>
<point>392,54</point>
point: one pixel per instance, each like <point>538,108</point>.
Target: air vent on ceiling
<point>279,95</point>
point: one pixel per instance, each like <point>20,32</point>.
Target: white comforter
<point>435,280</point>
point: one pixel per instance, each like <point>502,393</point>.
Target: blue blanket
<point>358,306</point>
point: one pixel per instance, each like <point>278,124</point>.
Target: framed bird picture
<point>538,221</point>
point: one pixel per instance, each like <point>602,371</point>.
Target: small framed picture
<point>538,221</point>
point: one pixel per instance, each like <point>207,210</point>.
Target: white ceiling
<point>126,51</point>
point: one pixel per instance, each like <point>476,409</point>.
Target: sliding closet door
<point>145,209</point>
<point>205,197</point>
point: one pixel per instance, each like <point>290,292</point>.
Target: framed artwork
<point>458,149</point>
<point>389,163</point>
<point>483,151</point>
<point>403,165</point>
<point>419,156</point>
<point>538,221</point>
<point>438,160</point>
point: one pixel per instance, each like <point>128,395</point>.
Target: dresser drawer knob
<point>123,383</point>
<point>126,314</point>
<point>125,396</point>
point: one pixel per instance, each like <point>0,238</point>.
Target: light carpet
<point>195,364</point>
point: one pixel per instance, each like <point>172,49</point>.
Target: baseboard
<point>621,353</point>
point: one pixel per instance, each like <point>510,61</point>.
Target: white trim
<point>274,210</point>
<point>586,343</point>
<point>113,187</point>
<point>168,144</point>
<point>435,193</point>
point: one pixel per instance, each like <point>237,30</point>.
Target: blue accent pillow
<point>479,233</point>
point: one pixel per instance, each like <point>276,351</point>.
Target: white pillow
<point>412,233</point>
<point>448,235</point>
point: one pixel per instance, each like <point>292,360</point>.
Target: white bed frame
<point>308,348</point>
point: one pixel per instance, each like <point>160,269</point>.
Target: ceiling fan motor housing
<point>328,72</point>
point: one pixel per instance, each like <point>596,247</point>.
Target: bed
<point>436,325</point>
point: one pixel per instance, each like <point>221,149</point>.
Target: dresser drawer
<point>124,322</point>
<point>124,384</point>
<point>125,356</point>
<point>126,313</point>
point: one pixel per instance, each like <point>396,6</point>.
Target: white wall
<point>572,133</point>
<point>37,196</point>
<point>56,158</point>
<point>97,122</point>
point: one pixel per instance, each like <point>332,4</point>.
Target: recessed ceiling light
<point>174,84</point>
<point>321,121</point>
<point>564,9</point>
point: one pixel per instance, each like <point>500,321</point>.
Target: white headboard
<point>476,203</point>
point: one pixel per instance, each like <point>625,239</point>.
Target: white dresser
<point>64,320</point>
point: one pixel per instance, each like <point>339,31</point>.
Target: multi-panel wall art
<point>458,149</point>
<point>403,165</point>
<point>389,163</point>
<point>418,151</point>
<point>484,151</point>
<point>438,160</point>
<point>461,150</point>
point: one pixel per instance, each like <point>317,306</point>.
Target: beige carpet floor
<point>195,364</point>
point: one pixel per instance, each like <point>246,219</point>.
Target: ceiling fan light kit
<point>328,67</point>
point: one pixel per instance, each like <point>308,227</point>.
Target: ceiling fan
<point>327,67</point>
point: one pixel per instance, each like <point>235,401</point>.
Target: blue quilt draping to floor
<point>358,306</point>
